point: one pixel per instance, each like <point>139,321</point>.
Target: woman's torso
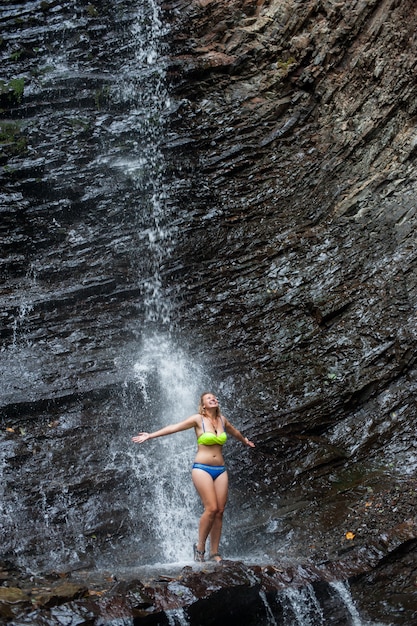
<point>209,450</point>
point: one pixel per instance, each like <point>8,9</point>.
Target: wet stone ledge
<point>232,593</point>
<point>208,594</point>
<point>291,143</point>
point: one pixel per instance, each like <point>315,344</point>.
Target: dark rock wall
<point>289,166</point>
<point>299,121</point>
<point>305,225</point>
<point>81,108</point>
<point>67,238</point>
<point>302,211</point>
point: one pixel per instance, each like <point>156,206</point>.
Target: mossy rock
<point>12,142</point>
<point>11,93</point>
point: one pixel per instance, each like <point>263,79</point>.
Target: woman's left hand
<point>249,443</point>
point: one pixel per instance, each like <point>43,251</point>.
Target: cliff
<point>288,150</point>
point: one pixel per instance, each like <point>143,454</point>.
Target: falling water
<point>302,607</point>
<point>121,209</point>
<point>342,590</point>
<point>177,617</point>
<point>294,606</point>
<point>168,382</point>
<point>142,86</point>
<point>271,621</point>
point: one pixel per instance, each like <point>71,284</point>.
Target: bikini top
<point>211,439</point>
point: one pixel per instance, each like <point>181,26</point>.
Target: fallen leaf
<point>350,536</point>
<point>91,592</point>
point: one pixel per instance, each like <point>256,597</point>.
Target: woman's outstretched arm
<point>231,430</point>
<point>190,422</point>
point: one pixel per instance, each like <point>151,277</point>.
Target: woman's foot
<point>198,554</point>
<point>215,557</point>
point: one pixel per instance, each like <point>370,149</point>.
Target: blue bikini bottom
<point>213,470</point>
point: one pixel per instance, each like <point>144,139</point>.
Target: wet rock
<point>231,592</point>
<point>60,594</point>
<point>12,595</point>
<point>12,601</point>
<point>388,593</point>
<point>290,178</point>
<point>125,599</point>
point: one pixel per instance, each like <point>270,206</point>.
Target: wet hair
<point>201,408</point>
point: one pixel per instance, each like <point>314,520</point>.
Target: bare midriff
<point>209,455</point>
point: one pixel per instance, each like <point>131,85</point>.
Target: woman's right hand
<point>140,437</point>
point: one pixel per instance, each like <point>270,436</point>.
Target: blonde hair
<point>201,408</point>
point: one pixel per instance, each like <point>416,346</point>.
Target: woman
<point>209,473</point>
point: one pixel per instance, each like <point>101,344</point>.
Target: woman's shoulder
<point>196,417</point>
<point>224,419</point>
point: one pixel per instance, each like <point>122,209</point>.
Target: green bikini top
<point>211,439</point>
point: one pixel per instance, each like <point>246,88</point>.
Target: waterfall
<point>168,382</point>
<point>341,588</point>
<point>315,606</point>
<point>271,621</point>
<point>295,606</point>
<point>301,607</point>
<point>94,106</point>
<point>177,617</point>
<point>141,90</point>
<point>96,225</point>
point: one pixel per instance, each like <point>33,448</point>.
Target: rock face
<point>302,126</point>
<point>259,208</point>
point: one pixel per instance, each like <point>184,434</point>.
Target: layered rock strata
<point>289,152</point>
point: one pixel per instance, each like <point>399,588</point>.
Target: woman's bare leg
<point>204,484</point>
<point>221,488</point>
